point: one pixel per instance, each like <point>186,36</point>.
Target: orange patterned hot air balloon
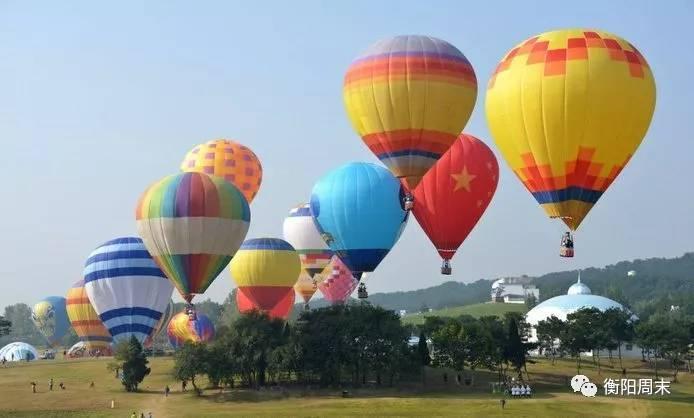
<point>85,321</point>
<point>568,109</point>
<point>230,160</point>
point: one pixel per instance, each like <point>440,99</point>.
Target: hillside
<point>477,310</point>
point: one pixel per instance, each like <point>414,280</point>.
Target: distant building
<point>402,312</point>
<point>631,273</point>
<point>514,290</point>
<point>577,297</point>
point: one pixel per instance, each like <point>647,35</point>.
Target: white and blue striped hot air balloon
<point>127,289</point>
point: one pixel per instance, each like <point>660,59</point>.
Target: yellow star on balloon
<point>463,179</point>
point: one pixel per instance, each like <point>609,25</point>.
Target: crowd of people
<point>521,390</point>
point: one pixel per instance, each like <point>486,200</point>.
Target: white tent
<point>18,351</point>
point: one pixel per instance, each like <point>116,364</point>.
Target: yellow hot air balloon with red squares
<point>568,109</point>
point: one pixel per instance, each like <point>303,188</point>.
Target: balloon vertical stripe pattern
<point>568,109</point>
<point>126,288</point>
<point>84,319</point>
<point>409,97</point>
<point>192,224</point>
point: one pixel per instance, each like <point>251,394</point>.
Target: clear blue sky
<point>97,101</point>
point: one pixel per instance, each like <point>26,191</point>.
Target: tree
<point>133,363</point>
<point>515,352</point>
<point>23,328</point>
<point>254,336</point>
<point>450,349</point>
<point>423,350</point>
<point>667,335</point>
<point>549,333</point>
<point>5,326</point>
<point>191,361</point>
<point>621,328</point>
<point>530,301</point>
<point>578,334</point>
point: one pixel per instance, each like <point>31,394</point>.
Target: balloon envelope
<point>18,351</point>
<point>84,319</point>
<point>339,283</point>
<point>230,160</point>
<point>265,269</point>
<point>192,224</point>
<point>126,288</point>
<point>568,109</point>
<point>358,209</point>
<point>50,317</point>
<point>280,311</point>
<point>306,286</point>
<point>409,97</point>
<point>300,231</point>
<point>454,194</point>
<point>182,329</point>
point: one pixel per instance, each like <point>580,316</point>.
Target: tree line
<point>351,344</point>
<point>664,335</point>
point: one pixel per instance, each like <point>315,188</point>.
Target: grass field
<point>477,310</point>
<point>428,398</point>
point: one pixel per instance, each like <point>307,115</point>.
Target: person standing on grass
<point>33,387</point>
<point>50,384</point>
<point>166,391</point>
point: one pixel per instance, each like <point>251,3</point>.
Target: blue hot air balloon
<point>358,209</point>
<point>126,288</point>
<point>50,317</point>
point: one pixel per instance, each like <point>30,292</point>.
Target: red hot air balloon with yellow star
<point>454,194</point>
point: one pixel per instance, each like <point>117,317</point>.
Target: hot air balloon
<point>18,351</point>
<point>339,283</point>
<point>306,286</point>
<point>280,311</point>
<point>568,109</point>
<point>358,210</point>
<point>265,269</point>
<point>126,288</point>
<point>192,224</point>
<point>454,194</point>
<point>409,97</point>
<point>300,231</point>
<point>162,324</point>
<point>85,321</point>
<point>230,160</point>
<point>50,317</point>
<point>182,328</point>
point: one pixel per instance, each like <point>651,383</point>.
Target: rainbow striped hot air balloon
<point>230,160</point>
<point>409,97</point>
<point>85,321</point>
<point>192,224</point>
<point>126,288</point>
<point>265,269</point>
<point>182,329</point>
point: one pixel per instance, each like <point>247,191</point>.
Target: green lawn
<point>428,398</point>
<point>477,310</point>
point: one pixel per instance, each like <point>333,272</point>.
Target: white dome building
<point>577,297</point>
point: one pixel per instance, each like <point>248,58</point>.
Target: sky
<point>98,100</point>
